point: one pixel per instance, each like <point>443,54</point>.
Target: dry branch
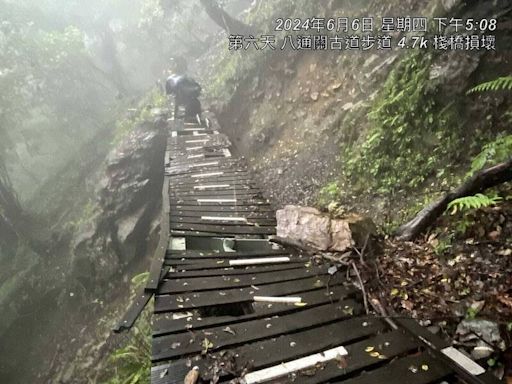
<point>479,182</point>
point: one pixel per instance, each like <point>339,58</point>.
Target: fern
<point>492,153</point>
<point>499,84</point>
<point>477,201</point>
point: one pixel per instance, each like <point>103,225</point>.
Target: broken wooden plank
<point>289,367</point>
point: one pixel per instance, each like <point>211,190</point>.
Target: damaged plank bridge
<point>238,307</point>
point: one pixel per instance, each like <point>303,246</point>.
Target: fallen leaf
<point>229,330</point>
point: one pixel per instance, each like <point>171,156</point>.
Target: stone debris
<point>318,230</point>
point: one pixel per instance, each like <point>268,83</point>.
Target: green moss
<point>412,136</point>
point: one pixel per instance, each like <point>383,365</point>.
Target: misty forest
<point>411,147</point>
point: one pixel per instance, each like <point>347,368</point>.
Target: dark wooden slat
<point>202,255</point>
<point>271,352</point>
<point>231,189</point>
<point>389,345</point>
<point>193,195</point>
<point>247,214</point>
<point>435,344</point>
<point>186,172</point>
<point>203,299</point>
<point>198,220</point>
<point>136,308</point>
<point>250,331</point>
<point>403,371</point>
<point>226,163</point>
<point>159,256</point>
<point>241,230</point>
<point>227,174</point>
<point>194,265</point>
<point>180,233</point>
<point>217,179</point>
<point>239,201</point>
<point>227,282</point>
<point>165,324</point>
<point>251,184</point>
<point>177,273</point>
<point>221,208</point>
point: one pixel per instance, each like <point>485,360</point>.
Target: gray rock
<point>304,224</point>
<point>320,231</point>
<point>475,330</point>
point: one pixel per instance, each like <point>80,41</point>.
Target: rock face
<point>311,227</point>
<point>128,197</point>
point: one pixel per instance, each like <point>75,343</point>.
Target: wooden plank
<point>215,187</point>
<point>203,255</point>
<point>166,347</point>
<point>257,355</point>
<point>223,220</point>
<point>221,208</point>
<point>388,345</point>
<point>251,184</point>
<point>189,181</point>
<point>221,201</point>
<point>226,282</point>
<point>182,302</point>
<point>160,252</point>
<point>193,195</point>
<point>184,172</point>
<point>416,369</point>
<point>141,300</point>
<point>164,323</point>
<point>195,265</point>
<point>181,233</point>
<point>291,367</point>
<point>185,214</point>
<point>177,273</point>
<point>204,176</point>
<point>436,344</point>
<point>258,261</point>
<point>239,230</point>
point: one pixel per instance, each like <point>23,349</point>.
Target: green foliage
<point>132,362</point>
<point>412,133</point>
<point>328,193</point>
<point>494,152</point>
<point>477,201</point>
<point>499,84</point>
<point>444,244</point>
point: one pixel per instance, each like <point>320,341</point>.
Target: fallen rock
<point>479,330</point>
<point>304,224</point>
<point>318,230</point>
<point>341,235</point>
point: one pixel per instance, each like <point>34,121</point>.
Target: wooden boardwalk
<point>214,268</point>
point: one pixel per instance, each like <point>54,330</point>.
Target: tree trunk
<point>110,55</point>
<point>486,178</point>
<point>231,25</point>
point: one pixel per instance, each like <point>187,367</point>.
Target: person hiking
<point>186,93</point>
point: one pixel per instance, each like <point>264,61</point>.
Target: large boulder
<point>320,231</point>
<point>304,224</point>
